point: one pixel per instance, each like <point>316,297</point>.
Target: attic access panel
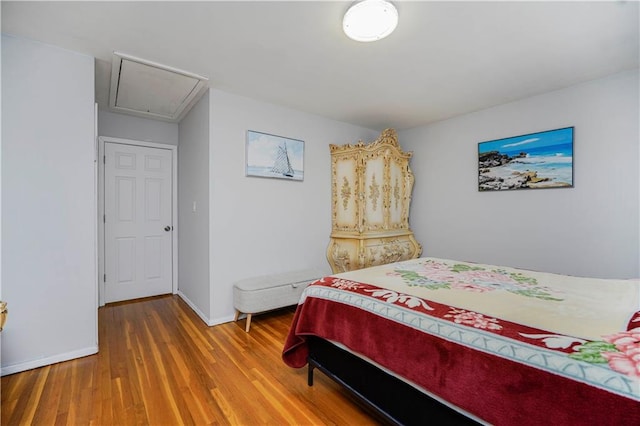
<point>151,90</point>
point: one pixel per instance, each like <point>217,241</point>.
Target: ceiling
<point>443,60</point>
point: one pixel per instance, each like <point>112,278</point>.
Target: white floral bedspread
<point>588,308</point>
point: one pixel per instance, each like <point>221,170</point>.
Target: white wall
<point>0,181</point>
<point>48,218</point>
<point>589,230</point>
<point>259,225</point>
<point>136,128</point>
<point>193,225</point>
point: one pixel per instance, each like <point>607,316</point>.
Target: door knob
<point>167,228</point>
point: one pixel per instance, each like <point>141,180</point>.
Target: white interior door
<point>138,224</point>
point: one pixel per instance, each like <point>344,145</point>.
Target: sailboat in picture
<point>282,163</point>
<point>274,156</point>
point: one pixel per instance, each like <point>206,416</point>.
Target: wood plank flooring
<point>159,364</point>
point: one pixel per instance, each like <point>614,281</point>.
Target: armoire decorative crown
<point>371,188</point>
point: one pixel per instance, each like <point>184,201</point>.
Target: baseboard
<point>29,365</point>
<point>203,317</point>
<point>193,307</point>
<point>221,320</point>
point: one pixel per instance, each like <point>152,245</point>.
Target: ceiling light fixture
<point>370,20</point>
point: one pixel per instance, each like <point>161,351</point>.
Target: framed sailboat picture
<point>274,156</point>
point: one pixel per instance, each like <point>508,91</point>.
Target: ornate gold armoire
<point>371,192</point>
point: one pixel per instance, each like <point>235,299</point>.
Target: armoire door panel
<point>374,183</point>
<point>346,216</point>
<point>397,194</point>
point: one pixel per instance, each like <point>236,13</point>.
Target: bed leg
<point>310,375</point>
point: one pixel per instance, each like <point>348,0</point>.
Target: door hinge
<point>105,278</point>
<point>104,218</point>
<point>104,159</point>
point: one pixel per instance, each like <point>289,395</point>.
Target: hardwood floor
<point>159,364</point>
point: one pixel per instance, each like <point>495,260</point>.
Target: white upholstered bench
<point>261,294</point>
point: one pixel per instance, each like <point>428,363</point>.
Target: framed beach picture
<point>274,156</point>
<point>536,160</point>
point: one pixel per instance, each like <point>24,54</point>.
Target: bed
<point>440,340</point>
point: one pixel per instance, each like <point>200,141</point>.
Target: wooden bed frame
<point>391,399</point>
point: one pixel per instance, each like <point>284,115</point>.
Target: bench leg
<point>248,323</point>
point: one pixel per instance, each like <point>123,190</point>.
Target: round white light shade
<point>370,20</point>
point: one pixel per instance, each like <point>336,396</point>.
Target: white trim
<point>191,99</point>
<point>174,194</point>
<point>203,317</point>
<point>195,308</point>
<point>220,320</point>
<point>42,362</point>
<point>96,237</point>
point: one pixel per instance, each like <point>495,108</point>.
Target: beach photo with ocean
<point>536,160</point>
